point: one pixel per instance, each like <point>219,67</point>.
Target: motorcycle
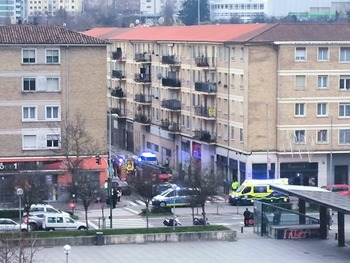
<point>170,222</point>
<point>200,222</point>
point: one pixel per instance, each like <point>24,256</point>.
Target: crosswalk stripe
<point>140,202</point>
<point>132,203</point>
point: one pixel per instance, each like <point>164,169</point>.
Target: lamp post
<point>67,249</point>
<point>19,194</point>
<point>174,187</point>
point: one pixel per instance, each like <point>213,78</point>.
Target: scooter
<point>200,222</point>
<point>170,222</point>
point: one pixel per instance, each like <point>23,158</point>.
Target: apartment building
<point>246,101</point>
<point>247,10</point>
<point>49,75</point>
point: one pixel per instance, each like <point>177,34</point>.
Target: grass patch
<point>106,232</point>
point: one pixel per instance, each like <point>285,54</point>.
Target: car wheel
<point>33,226</point>
<point>82,228</point>
<point>24,230</point>
<point>162,204</point>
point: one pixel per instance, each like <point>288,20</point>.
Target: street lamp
<point>19,194</point>
<point>174,187</point>
<point>67,249</point>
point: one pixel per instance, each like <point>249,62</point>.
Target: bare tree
<point>168,13</point>
<point>143,187</point>
<point>77,145</point>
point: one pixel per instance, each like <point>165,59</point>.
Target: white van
<point>148,157</point>
<point>61,222</point>
<point>43,208</point>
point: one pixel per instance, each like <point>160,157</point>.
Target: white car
<point>7,224</point>
<point>43,208</point>
<point>61,222</point>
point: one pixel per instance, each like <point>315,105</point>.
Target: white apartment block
<point>50,7</point>
<point>249,101</point>
<point>247,10</point>
<point>155,7</point>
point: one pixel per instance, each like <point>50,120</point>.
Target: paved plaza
<point>248,248</point>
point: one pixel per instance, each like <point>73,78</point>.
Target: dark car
<point>159,188</point>
<point>122,185</point>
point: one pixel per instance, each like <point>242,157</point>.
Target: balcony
<point>169,82</point>
<point>121,112</point>
<point>208,112</point>
<point>170,59</point>
<point>172,104</point>
<point>205,62</point>
<point>207,87</point>
<point>118,74</point>
<point>143,57</point>
<point>205,136</point>
<point>118,92</point>
<point>143,78</point>
<point>117,55</point>
<point>170,126</point>
<point>142,98</point>
<point>142,118</point>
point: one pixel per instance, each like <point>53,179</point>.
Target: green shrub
<point>10,213</point>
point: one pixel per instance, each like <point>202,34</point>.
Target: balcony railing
<point>142,78</point>
<point>118,93</point>
<point>143,57</point>
<point>120,111</point>
<point>170,59</point>
<point>208,112</point>
<point>205,136</point>
<point>204,62</point>
<point>143,98</point>
<point>117,55</point>
<point>169,82</point>
<point>207,87</point>
<point>172,104</point>
<point>170,126</point>
<point>118,74</point>
<point>142,118</point>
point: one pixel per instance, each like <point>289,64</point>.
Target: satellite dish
<point>131,25</point>
<point>161,20</point>
<point>137,21</point>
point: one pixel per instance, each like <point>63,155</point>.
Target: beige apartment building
<point>246,101</point>
<point>49,75</point>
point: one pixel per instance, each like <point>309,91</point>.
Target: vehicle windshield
<point>166,192</point>
<point>240,188</point>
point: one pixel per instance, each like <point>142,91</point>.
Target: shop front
<point>301,173</point>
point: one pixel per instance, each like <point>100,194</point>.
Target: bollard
<point>336,236</point>
<point>241,229</point>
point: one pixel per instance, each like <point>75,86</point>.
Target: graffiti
<point>300,233</point>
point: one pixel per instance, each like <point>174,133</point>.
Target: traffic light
<point>105,185</point>
<point>98,159</point>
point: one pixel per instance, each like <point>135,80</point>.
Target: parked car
<point>7,224</point>
<point>122,185</point>
<point>61,222</point>
<point>35,221</point>
<point>342,189</point>
<point>44,208</point>
<point>160,188</point>
<point>181,197</point>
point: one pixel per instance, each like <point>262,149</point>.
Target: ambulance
<point>259,190</point>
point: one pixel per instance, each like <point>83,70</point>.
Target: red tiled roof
<point>105,32</point>
<point>34,34</point>
<point>201,33</point>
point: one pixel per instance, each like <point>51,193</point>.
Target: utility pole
<point>268,164</point>
<point>199,12</point>
<point>331,177</point>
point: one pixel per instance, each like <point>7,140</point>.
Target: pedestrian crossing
<point>213,199</point>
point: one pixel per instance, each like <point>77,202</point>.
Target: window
<point>28,56</point>
<point>322,82</point>
<point>344,110</point>
<point>300,54</point>
<point>300,82</point>
<point>52,141</point>
<point>260,189</point>
<point>241,135</point>
<point>29,84</point>
<point>52,84</point>
<point>344,54</point>
<point>29,113</point>
<point>29,142</point>
<point>299,136</point>
<point>322,136</point>
<point>232,135</point>
<point>52,112</point>
<point>52,56</point>
<point>344,82</point>
<point>322,109</point>
<point>323,54</point>
<point>300,109</point>
<point>344,136</point>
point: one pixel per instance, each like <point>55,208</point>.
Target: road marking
<point>92,224</point>
<point>131,211</point>
<point>139,202</point>
<point>132,203</point>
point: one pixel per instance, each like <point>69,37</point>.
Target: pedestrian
<point>235,185</point>
<point>247,216</point>
<point>226,186</point>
